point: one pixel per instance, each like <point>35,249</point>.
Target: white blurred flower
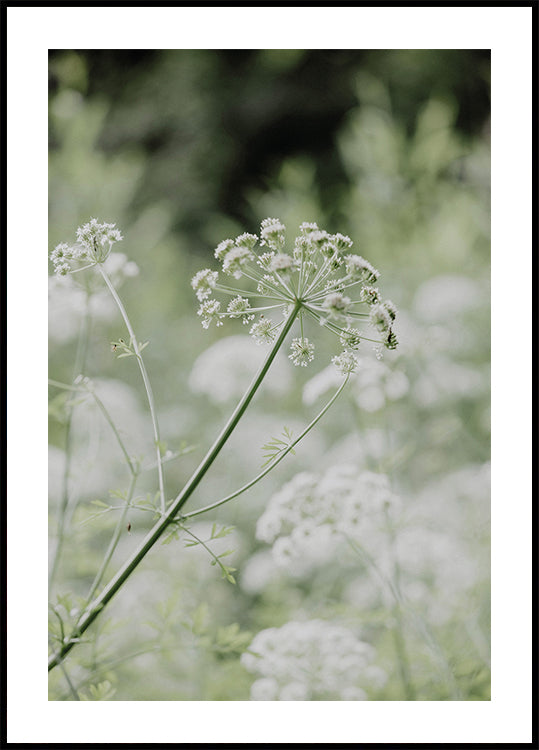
<point>312,660</point>
<point>257,572</point>
<point>265,689</point>
<point>308,518</point>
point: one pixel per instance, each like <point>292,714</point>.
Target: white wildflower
<point>311,660</point>
<point>302,352</point>
<point>204,283</point>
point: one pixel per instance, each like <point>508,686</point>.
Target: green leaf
<point>103,691</point>
<point>276,445</point>
<point>225,531</point>
<point>99,503</point>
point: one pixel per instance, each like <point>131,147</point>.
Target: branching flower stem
<point>145,378</point>
<point>93,609</point>
<point>274,463</point>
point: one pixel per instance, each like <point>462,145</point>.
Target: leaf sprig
<point>276,446</point>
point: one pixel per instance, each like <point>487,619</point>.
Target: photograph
<point>269,405</point>
<point>269,375</point>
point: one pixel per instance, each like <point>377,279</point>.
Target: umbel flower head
<point>319,279</point>
<point>93,245</point>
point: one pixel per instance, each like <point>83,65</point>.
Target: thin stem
<point>72,689</point>
<point>87,387</point>
<point>107,416</point>
<point>115,539</point>
<point>129,566</point>
<point>420,626</point>
<point>80,359</point>
<point>145,378</point>
<point>212,554</point>
<point>274,463</point>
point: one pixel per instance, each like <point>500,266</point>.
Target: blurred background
<point>182,149</point>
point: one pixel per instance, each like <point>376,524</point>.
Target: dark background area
<point>217,123</point>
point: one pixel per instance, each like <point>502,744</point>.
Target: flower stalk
<point>95,607</point>
<point>309,282</point>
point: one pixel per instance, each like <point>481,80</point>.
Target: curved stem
<point>274,463</point>
<point>114,540</point>
<point>145,378</point>
<point>129,566</point>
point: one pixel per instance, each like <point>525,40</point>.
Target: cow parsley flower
<point>93,245</point>
<point>209,311</point>
<point>239,307</point>
<point>308,517</point>
<point>346,363</point>
<point>203,283</point>
<point>263,332</point>
<point>317,279</point>
<point>311,660</point>
<point>302,352</point>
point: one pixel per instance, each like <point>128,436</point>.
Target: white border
<point>30,33</point>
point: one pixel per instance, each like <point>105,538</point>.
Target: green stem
<point>398,630</point>
<point>107,416</point>
<point>80,359</point>
<point>274,463</point>
<point>114,541</point>
<point>88,387</point>
<point>72,689</point>
<point>129,566</point>
<point>145,378</point>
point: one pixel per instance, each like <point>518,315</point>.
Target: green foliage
<point>276,446</point>
<point>126,350</point>
<point>103,691</point>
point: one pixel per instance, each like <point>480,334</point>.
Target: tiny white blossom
<point>336,304</point>
<point>262,331</point>
<point>370,295</point>
<point>203,283</point>
<point>346,363</point>
<point>272,234</point>
<point>380,317</point>
<point>281,262</point>
<point>350,338</point>
<point>302,352</point>
<point>223,248</point>
<point>209,311</point>
<point>360,269</point>
<point>246,240</point>
<point>239,307</point>
<point>235,259</point>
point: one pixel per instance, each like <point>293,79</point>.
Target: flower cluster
<point>313,660</point>
<point>93,245</point>
<point>316,280</point>
<point>307,518</point>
